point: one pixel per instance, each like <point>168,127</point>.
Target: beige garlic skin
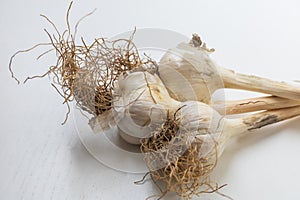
<point>189,74</point>
<point>141,104</point>
<point>201,122</point>
<point>195,71</point>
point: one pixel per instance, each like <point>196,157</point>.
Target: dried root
<point>86,73</point>
<point>104,62</point>
<point>197,42</point>
<point>175,161</point>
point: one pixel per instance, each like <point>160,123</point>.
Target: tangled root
<point>86,73</point>
<point>104,62</point>
<point>174,161</point>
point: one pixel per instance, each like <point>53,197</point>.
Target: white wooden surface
<point>41,159</point>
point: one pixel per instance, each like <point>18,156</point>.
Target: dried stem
<point>254,104</point>
<point>259,84</point>
<point>265,118</point>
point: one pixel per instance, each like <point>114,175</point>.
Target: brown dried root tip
<point>64,72</point>
<point>197,42</point>
<point>142,180</point>
<point>24,51</point>
<point>174,161</point>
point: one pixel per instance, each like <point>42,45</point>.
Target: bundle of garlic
<point>189,66</point>
<point>184,151</point>
<point>182,139</point>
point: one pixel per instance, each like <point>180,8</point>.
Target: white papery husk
<point>141,104</point>
<point>189,73</point>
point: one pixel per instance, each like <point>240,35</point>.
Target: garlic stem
<point>259,120</point>
<point>259,84</point>
<point>253,104</point>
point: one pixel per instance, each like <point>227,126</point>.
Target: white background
<point>40,159</point>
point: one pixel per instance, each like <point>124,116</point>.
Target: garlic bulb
<point>205,122</point>
<point>183,153</point>
<point>189,74</point>
<point>141,104</point>
<point>195,71</point>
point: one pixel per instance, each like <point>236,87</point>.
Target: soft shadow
<point>247,140</point>
<point>81,157</point>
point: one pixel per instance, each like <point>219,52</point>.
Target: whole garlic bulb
<point>195,71</point>
<point>184,152</point>
<point>192,69</point>
<point>200,124</point>
<point>141,104</point>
